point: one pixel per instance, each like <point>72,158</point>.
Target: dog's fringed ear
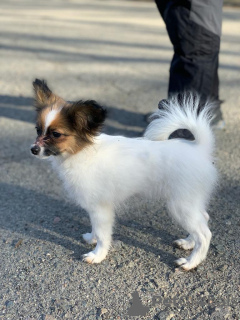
<point>87,117</point>
<point>43,95</point>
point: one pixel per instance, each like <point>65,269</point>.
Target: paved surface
<point>118,53</point>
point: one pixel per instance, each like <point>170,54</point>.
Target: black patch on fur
<point>182,134</point>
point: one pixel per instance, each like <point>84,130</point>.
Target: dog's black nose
<point>35,150</point>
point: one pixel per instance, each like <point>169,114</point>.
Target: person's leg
<point>194,28</point>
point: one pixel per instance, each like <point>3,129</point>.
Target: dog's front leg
<point>102,218</point>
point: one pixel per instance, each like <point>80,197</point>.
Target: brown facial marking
<point>70,141</point>
<point>78,122</point>
<point>67,142</point>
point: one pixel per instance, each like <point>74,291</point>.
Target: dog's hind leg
<point>186,244</point>
<point>102,218</point>
<point>202,236</point>
<point>194,222</point>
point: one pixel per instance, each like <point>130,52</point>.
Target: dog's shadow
<point>39,216</point>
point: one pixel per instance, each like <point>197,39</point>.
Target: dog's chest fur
<point>77,175</point>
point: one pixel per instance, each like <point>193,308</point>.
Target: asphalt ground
<point>118,53</point>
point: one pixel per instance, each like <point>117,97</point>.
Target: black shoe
<point>162,103</point>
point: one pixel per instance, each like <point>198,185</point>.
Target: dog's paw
<point>186,244</point>
<point>184,264</point>
<point>88,237</point>
<point>91,257</point>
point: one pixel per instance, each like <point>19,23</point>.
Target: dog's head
<point>64,127</point>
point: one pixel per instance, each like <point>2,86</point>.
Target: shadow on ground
<point>33,214</point>
<point>119,121</point>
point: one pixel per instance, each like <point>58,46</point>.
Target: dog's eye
<point>39,131</point>
<point>56,134</point>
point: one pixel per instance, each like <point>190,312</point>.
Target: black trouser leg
<point>194,28</point>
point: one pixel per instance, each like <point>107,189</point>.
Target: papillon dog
<point>100,172</point>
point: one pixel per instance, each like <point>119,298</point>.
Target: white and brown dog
<point>100,171</point>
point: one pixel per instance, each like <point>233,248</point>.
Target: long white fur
<point>180,172</point>
<point>182,114</point>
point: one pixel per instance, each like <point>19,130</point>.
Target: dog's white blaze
<point>49,118</point>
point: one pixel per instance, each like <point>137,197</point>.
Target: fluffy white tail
<point>183,114</point>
